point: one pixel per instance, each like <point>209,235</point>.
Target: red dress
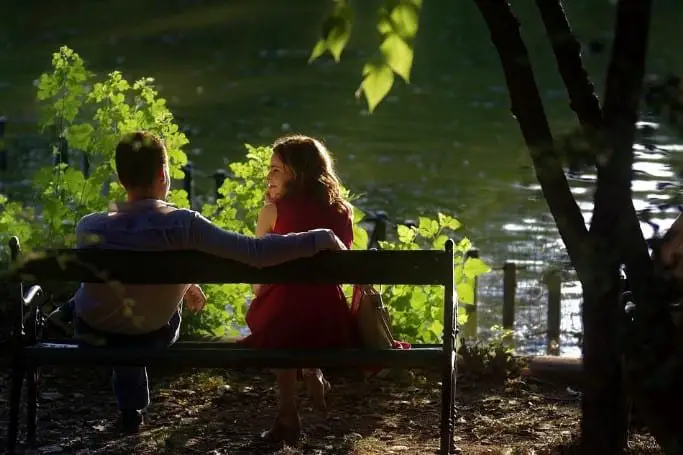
<point>301,316</point>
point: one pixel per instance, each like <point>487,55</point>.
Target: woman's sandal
<point>318,387</point>
<point>281,433</point>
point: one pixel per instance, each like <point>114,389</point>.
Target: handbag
<point>372,318</point>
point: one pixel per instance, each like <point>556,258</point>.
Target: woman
<point>303,193</point>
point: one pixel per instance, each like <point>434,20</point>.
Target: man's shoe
<point>59,323</point>
<point>131,421</point>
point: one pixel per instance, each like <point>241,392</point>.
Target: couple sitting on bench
<point>304,213</point>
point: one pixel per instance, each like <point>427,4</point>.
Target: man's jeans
<point>130,384</point>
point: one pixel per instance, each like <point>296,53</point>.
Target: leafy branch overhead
<point>397,25</point>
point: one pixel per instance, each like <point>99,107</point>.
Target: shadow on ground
<point>219,412</point>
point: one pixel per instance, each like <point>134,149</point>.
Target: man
<point>149,315</point>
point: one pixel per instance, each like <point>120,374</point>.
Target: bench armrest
<point>30,297</point>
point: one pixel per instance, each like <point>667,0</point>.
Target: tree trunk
<point>604,410</point>
<point>598,254</point>
<point>527,107</point>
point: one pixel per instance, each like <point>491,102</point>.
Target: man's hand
<point>334,243</point>
<point>195,299</point>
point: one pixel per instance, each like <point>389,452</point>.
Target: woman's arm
<point>264,225</point>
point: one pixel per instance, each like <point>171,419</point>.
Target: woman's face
<point>278,177</point>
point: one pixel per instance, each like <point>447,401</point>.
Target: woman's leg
<point>317,386</point>
<point>287,426</point>
<point>287,411</point>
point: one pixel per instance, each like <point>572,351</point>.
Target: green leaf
<point>79,135</point>
<point>427,227</point>
<point>376,84</point>
<point>474,267</point>
<point>464,245</point>
<point>418,299</point>
<point>439,242</point>
<point>465,292</point>
<point>398,54</point>
<point>436,328</point>
<point>463,315</point>
<point>318,50</point>
<point>73,181</point>
<point>448,222</point>
<point>337,37</point>
<point>405,234</point>
<point>336,32</point>
<point>179,198</point>
<point>360,238</point>
<point>405,17</point>
<point>384,25</point>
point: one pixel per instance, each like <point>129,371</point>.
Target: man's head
<point>142,166</point>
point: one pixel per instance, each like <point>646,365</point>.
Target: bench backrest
<point>418,267</point>
<point>421,267</point>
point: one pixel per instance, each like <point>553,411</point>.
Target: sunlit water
<point>652,168</point>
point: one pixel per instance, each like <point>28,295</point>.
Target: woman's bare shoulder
<point>266,219</point>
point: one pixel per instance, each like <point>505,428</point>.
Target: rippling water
<point>652,168</point>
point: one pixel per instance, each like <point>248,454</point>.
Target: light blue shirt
<point>153,225</point>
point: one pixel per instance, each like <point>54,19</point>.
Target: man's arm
<point>266,251</point>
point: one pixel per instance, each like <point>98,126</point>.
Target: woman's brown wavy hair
<point>312,169</point>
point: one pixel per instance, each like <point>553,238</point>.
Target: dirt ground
<point>223,412</point>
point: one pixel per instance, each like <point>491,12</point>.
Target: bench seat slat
<point>230,355</point>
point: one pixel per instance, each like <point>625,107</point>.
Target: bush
<point>92,114</point>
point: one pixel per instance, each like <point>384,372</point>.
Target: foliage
<point>397,24</point>
<point>494,360</point>
<point>92,114</point>
<point>417,312</point>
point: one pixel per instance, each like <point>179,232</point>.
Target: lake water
<point>236,72</point>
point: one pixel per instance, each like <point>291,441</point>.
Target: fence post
<point>3,149</point>
<point>85,164</point>
<point>379,233</point>
<point>188,182</point>
<point>62,155</point>
<point>509,294</point>
<point>469,329</point>
<point>219,178</point>
<point>410,223</point>
<point>553,281</point>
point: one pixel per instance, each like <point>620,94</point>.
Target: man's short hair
<point>140,156</point>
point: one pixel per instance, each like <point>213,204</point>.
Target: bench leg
<point>31,405</point>
<point>447,445</point>
<point>14,402</point>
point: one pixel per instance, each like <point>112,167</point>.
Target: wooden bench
<point>432,267</point>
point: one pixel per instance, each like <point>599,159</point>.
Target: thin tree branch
<point>527,108</point>
<point>623,91</point>
<point>582,98</point>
